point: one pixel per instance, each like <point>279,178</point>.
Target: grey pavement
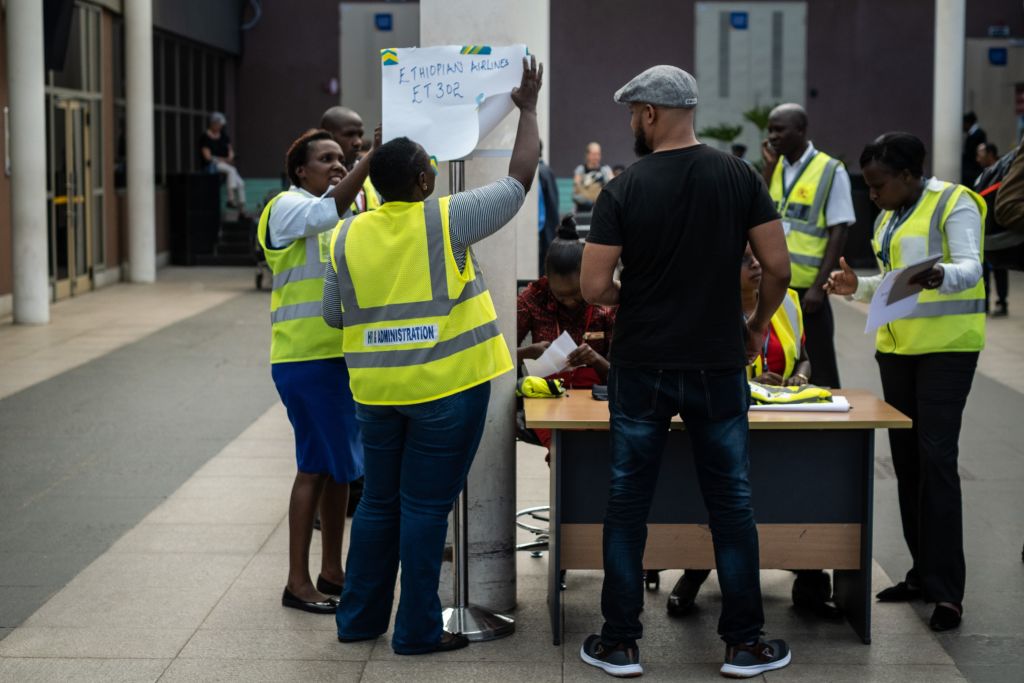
<point>143,529</point>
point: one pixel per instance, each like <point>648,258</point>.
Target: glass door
<point>71,216</point>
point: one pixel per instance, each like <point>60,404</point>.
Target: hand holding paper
<point>554,360</point>
<point>897,294</point>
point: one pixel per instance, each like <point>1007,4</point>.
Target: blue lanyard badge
<point>885,252</point>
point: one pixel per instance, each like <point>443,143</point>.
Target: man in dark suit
<point>547,218</point>
<point>969,167</point>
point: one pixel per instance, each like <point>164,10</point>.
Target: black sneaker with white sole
<point>745,661</point>
<point>621,660</point>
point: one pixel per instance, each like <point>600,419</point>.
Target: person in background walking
<point>217,153</point>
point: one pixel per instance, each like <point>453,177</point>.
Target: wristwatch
<point>802,376</point>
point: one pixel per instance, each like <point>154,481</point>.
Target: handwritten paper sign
<point>448,98</point>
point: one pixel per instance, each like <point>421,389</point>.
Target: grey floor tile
<point>263,671</point>
<point>993,673</point>
<point>177,571</point>
<point>892,649</point>
<point>981,650</point>
<point>273,645</point>
<point>576,671</point>
<point>119,605</point>
<point>100,643</point>
<point>521,646</point>
<point>799,672</point>
<point>245,608</point>
<point>17,603</point>
<point>435,669</point>
<point>82,670</point>
<point>224,539</point>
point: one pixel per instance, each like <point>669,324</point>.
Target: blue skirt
<point>323,416</point>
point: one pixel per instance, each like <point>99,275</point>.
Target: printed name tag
<point>407,334</point>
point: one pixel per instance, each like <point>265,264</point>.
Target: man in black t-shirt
<point>680,219</point>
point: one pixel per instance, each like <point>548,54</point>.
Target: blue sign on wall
<point>998,56</point>
<point>383,21</point>
<point>739,20</point>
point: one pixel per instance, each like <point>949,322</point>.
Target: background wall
<point>282,78</point>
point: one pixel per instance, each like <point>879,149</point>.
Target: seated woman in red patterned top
<point>553,305</point>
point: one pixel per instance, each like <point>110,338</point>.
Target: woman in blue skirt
<point>306,359</point>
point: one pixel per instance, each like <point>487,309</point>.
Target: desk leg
<point>852,588</point>
<point>554,539</point>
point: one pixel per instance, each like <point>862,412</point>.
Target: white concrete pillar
<point>492,481</point>
<point>138,31</point>
<point>948,97</point>
<point>26,74</point>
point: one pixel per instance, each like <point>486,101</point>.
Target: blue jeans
<point>713,404</point>
<point>416,461</point>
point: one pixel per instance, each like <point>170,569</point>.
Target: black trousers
<point>1002,284</point>
<point>932,390</point>
<point>819,328</point>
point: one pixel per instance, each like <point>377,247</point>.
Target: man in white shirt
<point>788,145</point>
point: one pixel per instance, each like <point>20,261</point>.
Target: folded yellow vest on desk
<point>538,387</point>
<point>766,394</point>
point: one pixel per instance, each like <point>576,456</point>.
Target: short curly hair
<point>395,166</point>
<point>298,152</point>
<point>898,151</point>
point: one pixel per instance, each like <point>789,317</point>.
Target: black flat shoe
<point>901,592</point>
<point>328,606</point>
<point>945,618</point>
<point>329,587</point>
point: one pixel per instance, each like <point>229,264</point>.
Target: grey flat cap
<point>663,86</point>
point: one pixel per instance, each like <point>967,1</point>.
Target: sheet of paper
<point>881,311</point>
<point>449,97</point>
<point>554,359</point>
<point>902,287</point>
<point>838,404</point>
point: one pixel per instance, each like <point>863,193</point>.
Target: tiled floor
<point>193,591</point>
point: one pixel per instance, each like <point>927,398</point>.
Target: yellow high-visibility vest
<point>939,322</point>
<point>802,208</point>
<point>788,323</point>
<point>416,327</point>
<point>298,331</point>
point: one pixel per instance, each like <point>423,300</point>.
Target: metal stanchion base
<point>477,623</point>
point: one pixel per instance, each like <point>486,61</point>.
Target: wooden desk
<point>812,476</point>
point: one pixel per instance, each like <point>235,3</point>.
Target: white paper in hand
<point>554,359</point>
<point>895,297</point>
<point>449,97</point>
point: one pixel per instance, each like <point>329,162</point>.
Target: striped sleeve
<point>332,299</point>
<point>481,212</point>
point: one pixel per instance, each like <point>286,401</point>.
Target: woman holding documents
<point>927,358</point>
<point>422,343</point>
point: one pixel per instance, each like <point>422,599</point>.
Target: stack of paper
<point>838,404</point>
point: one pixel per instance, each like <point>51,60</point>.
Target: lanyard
<point>586,324</point>
<point>787,190</point>
<point>885,252</point>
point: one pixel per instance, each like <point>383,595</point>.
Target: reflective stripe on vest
<point>400,351</point>
<point>807,233</point>
<point>298,331</point>
<point>939,322</point>
<point>787,322</point>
